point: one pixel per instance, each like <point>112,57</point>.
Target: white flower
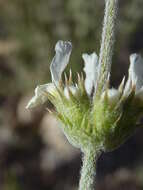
<point>136,71</point>
<point>135,78</point>
<point>60,60</point>
<point>41,95</point>
<point>91,68</point>
<point>113,96</point>
<point>58,64</point>
<point>136,74</point>
<point>72,88</point>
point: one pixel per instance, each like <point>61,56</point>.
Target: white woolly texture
<point>106,50</point>
<point>90,69</point>
<point>87,180</point>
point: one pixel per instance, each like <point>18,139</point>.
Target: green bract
<point>88,119</point>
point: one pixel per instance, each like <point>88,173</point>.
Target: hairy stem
<point>106,50</point>
<point>88,172</point>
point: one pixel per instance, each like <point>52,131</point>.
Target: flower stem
<point>106,50</point>
<point>88,172</point>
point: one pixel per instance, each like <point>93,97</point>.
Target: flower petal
<point>40,96</point>
<point>136,70</point>
<point>73,90</point>
<point>113,96</point>
<point>139,94</point>
<point>90,69</point>
<point>60,60</point>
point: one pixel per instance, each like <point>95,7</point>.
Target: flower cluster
<point>89,119</point>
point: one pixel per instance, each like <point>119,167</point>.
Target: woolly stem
<point>106,50</point>
<point>88,172</point>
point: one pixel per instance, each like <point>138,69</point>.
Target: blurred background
<point>34,154</point>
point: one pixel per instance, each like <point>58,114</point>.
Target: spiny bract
<point>102,121</point>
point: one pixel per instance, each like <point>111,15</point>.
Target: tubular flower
<point>88,119</point>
